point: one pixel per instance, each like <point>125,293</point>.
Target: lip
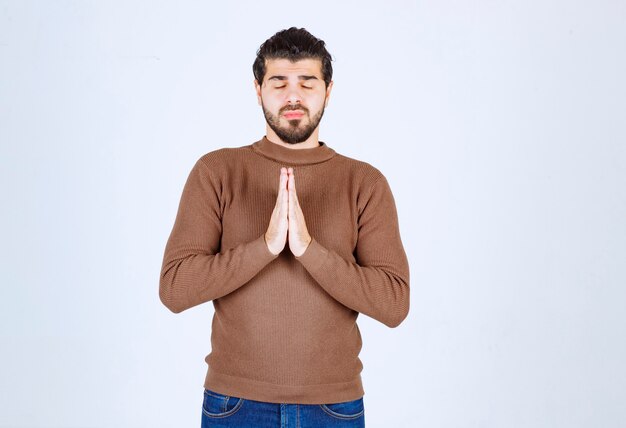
<point>293,114</point>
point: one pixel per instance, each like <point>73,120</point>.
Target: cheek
<point>270,101</point>
<point>317,102</point>
<point>272,105</point>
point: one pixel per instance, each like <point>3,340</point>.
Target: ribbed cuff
<point>314,256</point>
<point>260,252</point>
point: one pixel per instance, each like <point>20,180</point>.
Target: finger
<point>292,181</point>
<point>292,204</point>
<point>292,189</point>
<point>283,194</point>
<point>282,182</point>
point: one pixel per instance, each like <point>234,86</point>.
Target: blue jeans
<point>219,410</point>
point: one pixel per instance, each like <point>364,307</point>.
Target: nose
<point>294,96</point>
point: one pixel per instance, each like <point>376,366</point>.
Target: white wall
<point>500,126</point>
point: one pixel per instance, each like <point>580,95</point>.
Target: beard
<point>294,132</point>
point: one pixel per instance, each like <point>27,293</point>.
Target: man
<point>290,241</point>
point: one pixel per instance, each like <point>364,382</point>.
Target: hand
<point>276,234</point>
<point>299,238</point>
<point>287,217</point>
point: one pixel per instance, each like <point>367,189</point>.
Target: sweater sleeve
<point>194,270</point>
<point>377,285</point>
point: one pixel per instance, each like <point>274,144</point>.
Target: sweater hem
<point>255,390</point>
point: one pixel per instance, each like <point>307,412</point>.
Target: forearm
<point>379,290</point>
<point>189,278</point>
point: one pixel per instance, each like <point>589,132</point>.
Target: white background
<point>499,125</point>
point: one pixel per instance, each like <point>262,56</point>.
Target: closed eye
<point>305,87</point>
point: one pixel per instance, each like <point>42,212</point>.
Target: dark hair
<point>293,44</point>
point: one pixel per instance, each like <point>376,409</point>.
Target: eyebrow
<point>301,77</point>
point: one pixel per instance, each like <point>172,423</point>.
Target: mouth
<point>297,114</point>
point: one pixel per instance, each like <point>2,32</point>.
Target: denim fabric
<point>219,410</point>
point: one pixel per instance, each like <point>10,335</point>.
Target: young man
<point>290,241</point>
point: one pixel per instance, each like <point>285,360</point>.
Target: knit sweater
<point>284,328</point>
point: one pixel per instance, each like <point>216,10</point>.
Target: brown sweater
<point>284,328</point>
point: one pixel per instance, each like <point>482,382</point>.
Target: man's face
<point>297,88</point>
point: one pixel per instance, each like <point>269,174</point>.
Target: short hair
<point>293,44</point>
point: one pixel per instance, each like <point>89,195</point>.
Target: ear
<point>330,87</point>
<point>257,89</point>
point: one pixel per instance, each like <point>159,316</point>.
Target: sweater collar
<point>289,156</point>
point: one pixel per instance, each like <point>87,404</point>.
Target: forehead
<point>284,67</point>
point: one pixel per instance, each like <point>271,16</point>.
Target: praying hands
<point>287,219</point>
